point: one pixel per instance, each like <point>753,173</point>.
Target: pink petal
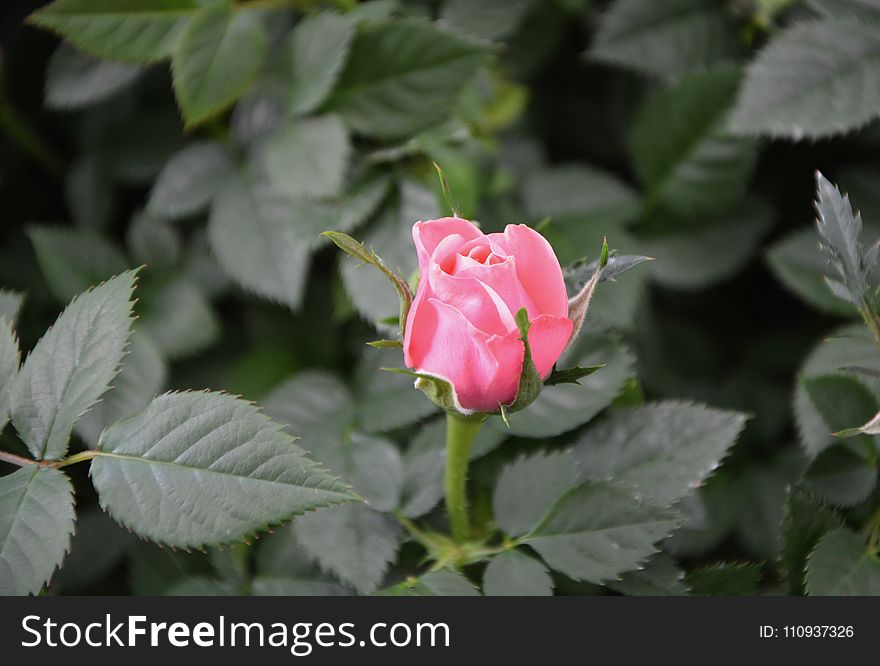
<point>504,280</point>
<point>548,337</point>
<point>428,234</point>
<point>476,300</point>
<point>483,369</point>
<point>536,265</point>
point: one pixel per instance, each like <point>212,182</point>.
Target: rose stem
<point>460,434</point>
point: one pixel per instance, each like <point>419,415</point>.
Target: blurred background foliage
<point>627,119</point>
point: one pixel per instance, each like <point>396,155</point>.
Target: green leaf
<point>840,233</point>
<point>72,366</point>
<point>814,80</point>
<point>514,574</point>
<point>202,586</point>
<point>871,427</point>
<point>668,38</point>
<point>805,521</point>
<point>386,400</point>
<point>153,242</point>
<point>315,405</point>
<point>392,93</point>
<point>139,31</point>
<point>527,488</point>
<point>89,193</point>
<point>579,273</point>
<point>842,566</point>
<point>491,19</point>
<point>98,546</point>
<point>143,375</point>
<point>843,402</point>
<point>841,476</point>
<point>284,569</point>
<point>682,153</point>
<point>575,190</point>
<point>344,213</point>
<point>190,180</point>
<point>10,304</point>
<point>730,239</point>
<point>72,260</point>
<point>291,586</point>
<point>660,577</point>
<point>725,580</point>
<point>391,235</point>
<point>308,158</point>
<point>36,521</point>
<point>180,320</point>
<point>372,465</point>
<point>359,251</point>
<point>432,437</point>
<point>317,49</point>
<point>662,451</point>
<point>353,542</point>
<point>846,348</point>
<point>9,362</point>
<point>75,79</point>
<point>564,407</point>
<point>570,375</point>
<point>154,570</point>
<point>868,9</point>
<point>760,502</point>
<point>319,408</point>
<point>204,468</point>
<point>798,263</point>
<point>423,478</point>
<point>709,516</point>
<point>442,583</point>
<point>597,531</point>
<point>256,240</point>
<point>219,55</point>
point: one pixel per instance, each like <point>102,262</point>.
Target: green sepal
<point>503,413</point>
<point>577,306</point>
<point>530,383</point>
<point>439,391</point>
<point>385,344</point>
<point>359,251</point>
<point>571,375</point>
<point>447,192</point>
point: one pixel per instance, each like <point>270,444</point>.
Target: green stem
<point>871,321</point>
<point>460,434</point>
<point>82,456</point>
<point>21,461</point>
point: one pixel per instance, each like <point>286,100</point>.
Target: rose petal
<point>548,337</point>
<point>537,267</point>
<point>428,234</point>
<point>483,369</point>
<point>504,280</point>
<point>477,301</point>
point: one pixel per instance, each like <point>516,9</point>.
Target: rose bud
<point>462,326</point>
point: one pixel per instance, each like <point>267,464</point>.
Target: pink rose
<point>461,325</point>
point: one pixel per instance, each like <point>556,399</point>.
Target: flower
<point>461,327</point>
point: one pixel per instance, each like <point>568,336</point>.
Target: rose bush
<point>461,326</point>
